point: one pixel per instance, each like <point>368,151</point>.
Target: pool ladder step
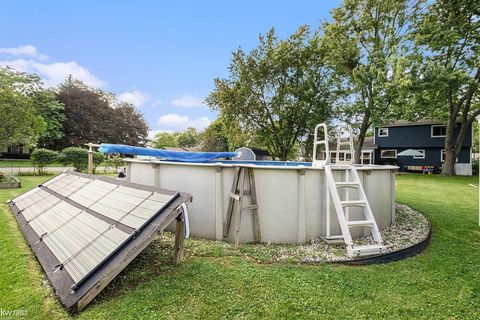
<point>348,184</point>
<point>365,250</point>
<point>342,208</point>
<point>354,203</point>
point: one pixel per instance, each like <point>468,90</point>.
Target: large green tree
<point>165,139</point>
<point>367,44</point>
<point>190,137</point>
<point>213,138</point>
<point>279,91</point>
<point>448,35</point>
<point>19,121</point>
<point>52,111</point>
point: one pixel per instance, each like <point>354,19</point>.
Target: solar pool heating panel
<point>77,224</point>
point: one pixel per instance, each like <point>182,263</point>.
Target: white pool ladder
<point>343,214</point>
<point>342,207</point>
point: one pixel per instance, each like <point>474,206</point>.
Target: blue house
<point>425,136</point>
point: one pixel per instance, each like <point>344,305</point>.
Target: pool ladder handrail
<point>317,162</point>
<point>342,129</point>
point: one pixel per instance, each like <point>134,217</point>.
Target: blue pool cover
<point>181,156</point>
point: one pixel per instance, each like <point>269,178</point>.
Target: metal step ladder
<point>238,193</point>
<point>352,183</point>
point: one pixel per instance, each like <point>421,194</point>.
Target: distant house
<point>17,151</point>
<point>425,136</point>
<point>368,152</point>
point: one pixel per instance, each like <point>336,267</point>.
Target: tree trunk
<point>361,138</point>
<point>283,154</point>
<point>448,168</point>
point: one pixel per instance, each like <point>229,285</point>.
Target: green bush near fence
<point>43,157</point>
<point>78,158</point>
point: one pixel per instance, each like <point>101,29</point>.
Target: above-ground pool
<point>291,196</point>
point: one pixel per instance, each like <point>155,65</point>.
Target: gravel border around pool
<point>407,237</point>
<point>410,228</point>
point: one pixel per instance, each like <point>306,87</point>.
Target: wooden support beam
<point>237,195</point>
<point>230,203</point>
<point>239,209</point>
<point>90,161</point>
<point>253,194</point>
<point>179,240</point>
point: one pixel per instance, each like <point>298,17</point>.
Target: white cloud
<point>157,103</point>
<point>26,51</point>
<point>135,97</point>
<point>187,101</point>
<point>54,73</point>
<point>176,122</point>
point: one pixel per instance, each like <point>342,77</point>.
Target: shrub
<point>475,167</point>
<point>43,157</point>
<point>98,158</point>
<point>75,157</point>
<point>78,158</point>
<point>114,162</point>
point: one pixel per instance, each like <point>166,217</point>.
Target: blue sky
<point>160,55</point>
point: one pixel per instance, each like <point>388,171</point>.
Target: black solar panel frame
<point>62,282</point>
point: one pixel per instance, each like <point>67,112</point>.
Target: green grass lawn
<point>22,163</point>
<point>443,282</point>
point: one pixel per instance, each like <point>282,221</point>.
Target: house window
<point>439,131</point>
<point>16,149</point>
<point>383,132</point>
<point>365,158</point>
<point>442,156</point>
<point>388,154</point>
<point>420,157</point>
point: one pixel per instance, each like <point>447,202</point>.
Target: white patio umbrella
<point>410,153</point>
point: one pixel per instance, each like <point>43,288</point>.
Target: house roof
<point>405,123</point>
<point>367,144</point>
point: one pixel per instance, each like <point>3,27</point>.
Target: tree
<point>188,138</point>
<point>52,111</point>
<point>213,137</point>
<point>165,139</point>
<point>367,45</point>
<point>43,157</point>
<point>278,91</point>
<point>92,115</point>
<point>19,123</point>
<point>448,34</point>
<point>88,117</point>
<point>130,127</point>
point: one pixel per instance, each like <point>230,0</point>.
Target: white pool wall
<point>292,200</point>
